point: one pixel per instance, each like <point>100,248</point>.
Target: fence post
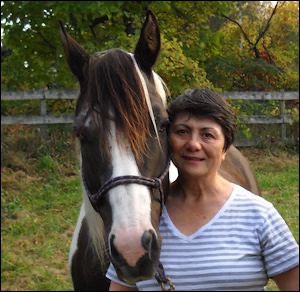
<point>43,111</point>
<point>282,113</point>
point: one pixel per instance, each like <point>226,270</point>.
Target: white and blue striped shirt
<point>245,243</point>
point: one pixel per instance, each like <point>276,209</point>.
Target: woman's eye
<point>181,131</point>
<point>208,135</point>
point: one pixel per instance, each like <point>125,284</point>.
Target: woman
<point>216,235</point>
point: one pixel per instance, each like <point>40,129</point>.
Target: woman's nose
<point>193,144</point>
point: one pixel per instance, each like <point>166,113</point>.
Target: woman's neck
<point>201,188</point>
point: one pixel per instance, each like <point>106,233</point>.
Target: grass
<point>278,175</point>
<point>41,196</point>
<point>39,204</point>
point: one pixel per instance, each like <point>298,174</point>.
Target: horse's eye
<point>84,134</point>
<point>163,126</point>
<point>78,131</point>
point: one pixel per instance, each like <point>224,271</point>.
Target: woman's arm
<point>289,280</point>
<point>118,287</point>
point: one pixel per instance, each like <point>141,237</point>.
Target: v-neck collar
<point>190,237</point>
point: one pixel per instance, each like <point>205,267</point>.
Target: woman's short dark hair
<point>205,103</point>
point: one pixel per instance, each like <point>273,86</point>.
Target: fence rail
<point>45,118</point>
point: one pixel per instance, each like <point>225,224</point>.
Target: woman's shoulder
<point>245,194</point>
<point>247,209</point>
<point>253,202</point>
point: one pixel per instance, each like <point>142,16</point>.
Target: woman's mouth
<point>193,158</point>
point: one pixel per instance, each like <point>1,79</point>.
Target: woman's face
<point>196,145</point>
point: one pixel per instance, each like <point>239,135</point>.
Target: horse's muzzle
<point>144,266</point>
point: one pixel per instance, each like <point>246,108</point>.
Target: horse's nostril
<point>111,244</point>
<point>147,240</point>
<point>111,238</point>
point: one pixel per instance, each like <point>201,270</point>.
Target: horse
<point>120,122</point>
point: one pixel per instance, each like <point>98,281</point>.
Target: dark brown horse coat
<point>236,169</point>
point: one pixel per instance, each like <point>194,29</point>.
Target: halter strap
<point>165,282</point>
<point>155,183</point>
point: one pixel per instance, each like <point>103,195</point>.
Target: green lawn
<point>278,176</point>
<point>41,195</point>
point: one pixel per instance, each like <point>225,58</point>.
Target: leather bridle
<point>154,183</point>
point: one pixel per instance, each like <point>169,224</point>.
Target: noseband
<point>154,183</point>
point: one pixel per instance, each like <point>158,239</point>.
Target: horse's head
<point>121,120</point>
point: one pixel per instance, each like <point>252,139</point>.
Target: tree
<point>31,31</point>
<point>200,47</point>
<point>250,60</point>
<point>37,60</point>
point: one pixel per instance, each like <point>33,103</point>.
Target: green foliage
<point>245,74</point>
<point>200,47</point>
<point>17,107</point>
<point>237,68</point>
<point>178,70</point>
<point>46,163</point>
<point>242,129</point>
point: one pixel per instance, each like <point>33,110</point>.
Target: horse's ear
<point>76,56</point>
<point>148,46</point>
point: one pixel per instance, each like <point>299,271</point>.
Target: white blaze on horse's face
<point>131,204</point>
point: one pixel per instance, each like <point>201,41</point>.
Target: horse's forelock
<point>115,88</point>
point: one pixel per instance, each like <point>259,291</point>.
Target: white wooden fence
<point>45,118</point>
<point>42,95</point>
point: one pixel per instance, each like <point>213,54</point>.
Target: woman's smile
<point>193,159</point>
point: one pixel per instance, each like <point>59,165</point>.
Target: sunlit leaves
<point>199,46</point>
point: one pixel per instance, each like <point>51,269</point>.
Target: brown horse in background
<point>236,169</point>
